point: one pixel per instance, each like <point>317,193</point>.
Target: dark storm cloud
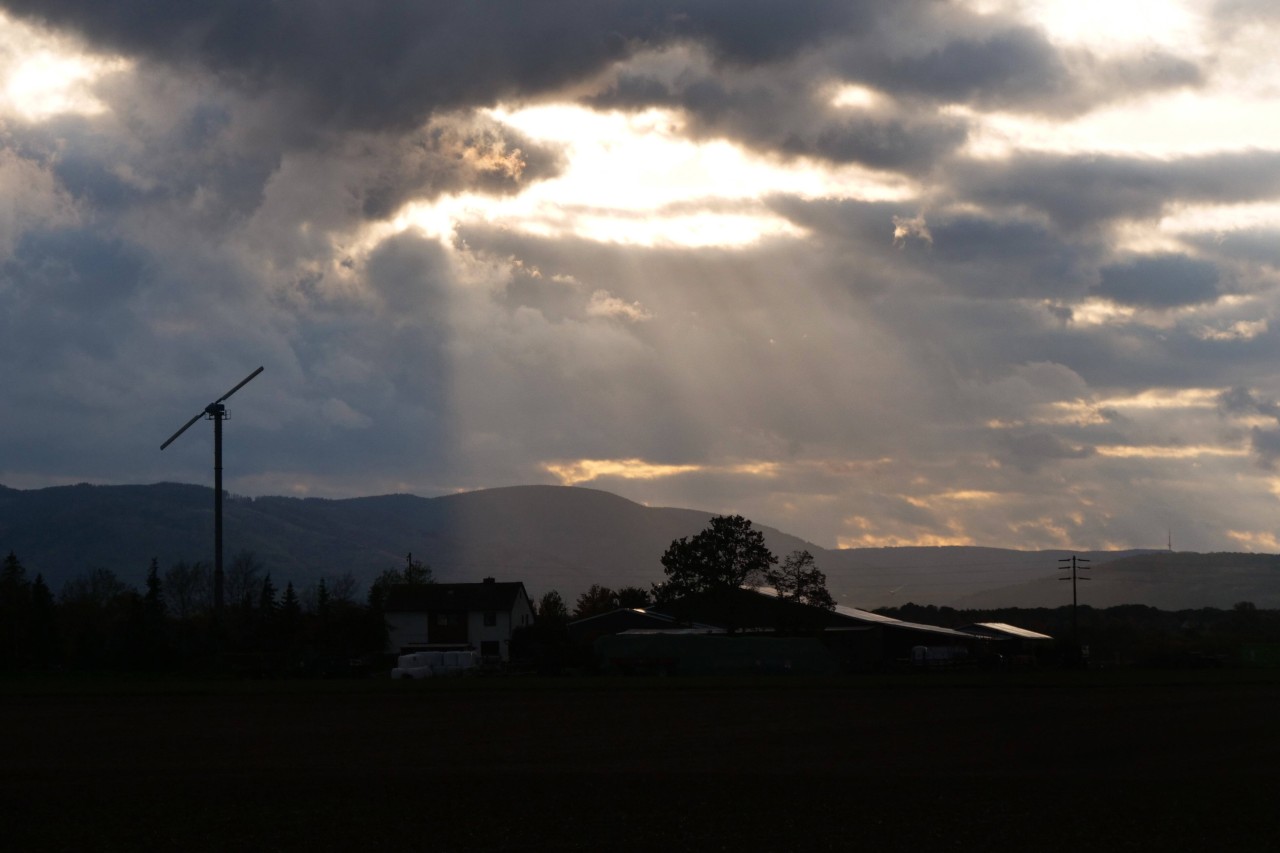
<point>1251,246</point>
<point>947,53</point>
<point>986,257</point>
<point>1160,281</point>
<point>1264,441</point>
<point>1016,64</point>
<point>919,58</point>
<point>70,280</point>
<point>1031,450</point>
<point>363,64</point>
<point>781,116</point>
<point>1078,191</point>
<point>451,153</point>
<point>1239,400</point>
<point>1020,69</point>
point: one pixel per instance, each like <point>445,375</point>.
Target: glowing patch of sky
<point>867,536</point>
<point>1093,412</point>
<point>635,179</point>
<point>585,470</point>
<point>1161,398</point>
<point>45,76</point>
<point>1241,330</point>
<point>1107,25</point>
<point>1196,218</point>
<point>1155,126</point>
<point>1157,452</point>
<point>954,496</point>
<point>1256,541</point>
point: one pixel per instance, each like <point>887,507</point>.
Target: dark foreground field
<point>1066,763</point>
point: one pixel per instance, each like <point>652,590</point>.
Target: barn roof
<point>1002,629</point>
<point>866,616</point>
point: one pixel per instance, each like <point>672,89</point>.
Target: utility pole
<point>1076,567</point>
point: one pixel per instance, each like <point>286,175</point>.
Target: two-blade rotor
<point>210,408</point>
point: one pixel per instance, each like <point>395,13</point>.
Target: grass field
<point>1042,761</point>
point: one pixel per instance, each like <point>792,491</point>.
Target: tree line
<point>99,622</point>
<point>1132,634</point>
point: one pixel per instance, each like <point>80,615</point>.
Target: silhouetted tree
<point>597,599</point>
<point>728,554</point>
<point>267,598</point>
<point>290,610</point>
<point>242,580</point>
<point>188,589</point>
<point>44,625</point>
<point>798,579</point>
<point>634,596</point>
<point>289,604</point>
<point>414,572</point>
<point>322,599</point>
<point>154,597</point>
<point>344,589</point>
<point>152,637</point>
<point>15,614</point>
<point>551,609</point>
<point>94,610</point>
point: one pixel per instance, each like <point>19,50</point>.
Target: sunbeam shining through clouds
<point>996,272</point>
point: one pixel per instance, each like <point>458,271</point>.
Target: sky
<point>878,273</point>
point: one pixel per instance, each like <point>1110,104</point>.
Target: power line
<point>1075,565</point>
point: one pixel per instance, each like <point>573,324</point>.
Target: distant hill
<point>1168,581</point>
<point>552,537</point>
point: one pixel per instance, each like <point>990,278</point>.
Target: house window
<point>490,619</point>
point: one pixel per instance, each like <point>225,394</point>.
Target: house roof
<point>489,595</point>
<point>890,622</point>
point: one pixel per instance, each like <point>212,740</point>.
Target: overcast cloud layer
<point>876,273</point>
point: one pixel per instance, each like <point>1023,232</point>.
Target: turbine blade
<point>243,382</point>
<point>185,427</point>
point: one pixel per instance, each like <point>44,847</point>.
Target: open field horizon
<point>1051,760</point>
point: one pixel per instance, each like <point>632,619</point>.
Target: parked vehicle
<point>426,664</point>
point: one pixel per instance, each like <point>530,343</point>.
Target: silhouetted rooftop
<point>488,595</point>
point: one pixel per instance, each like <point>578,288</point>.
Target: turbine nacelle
<point>215,410</point>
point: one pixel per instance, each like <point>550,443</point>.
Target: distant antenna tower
<point>217,413</point>
<point>1170,541</point>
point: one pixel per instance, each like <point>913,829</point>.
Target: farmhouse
<point>479,616</point>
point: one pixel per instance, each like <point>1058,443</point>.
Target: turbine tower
<point>217,413</point>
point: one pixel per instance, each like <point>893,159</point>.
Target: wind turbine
<point>217,413</point>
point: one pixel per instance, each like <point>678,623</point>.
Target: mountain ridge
<point>551,537</point>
